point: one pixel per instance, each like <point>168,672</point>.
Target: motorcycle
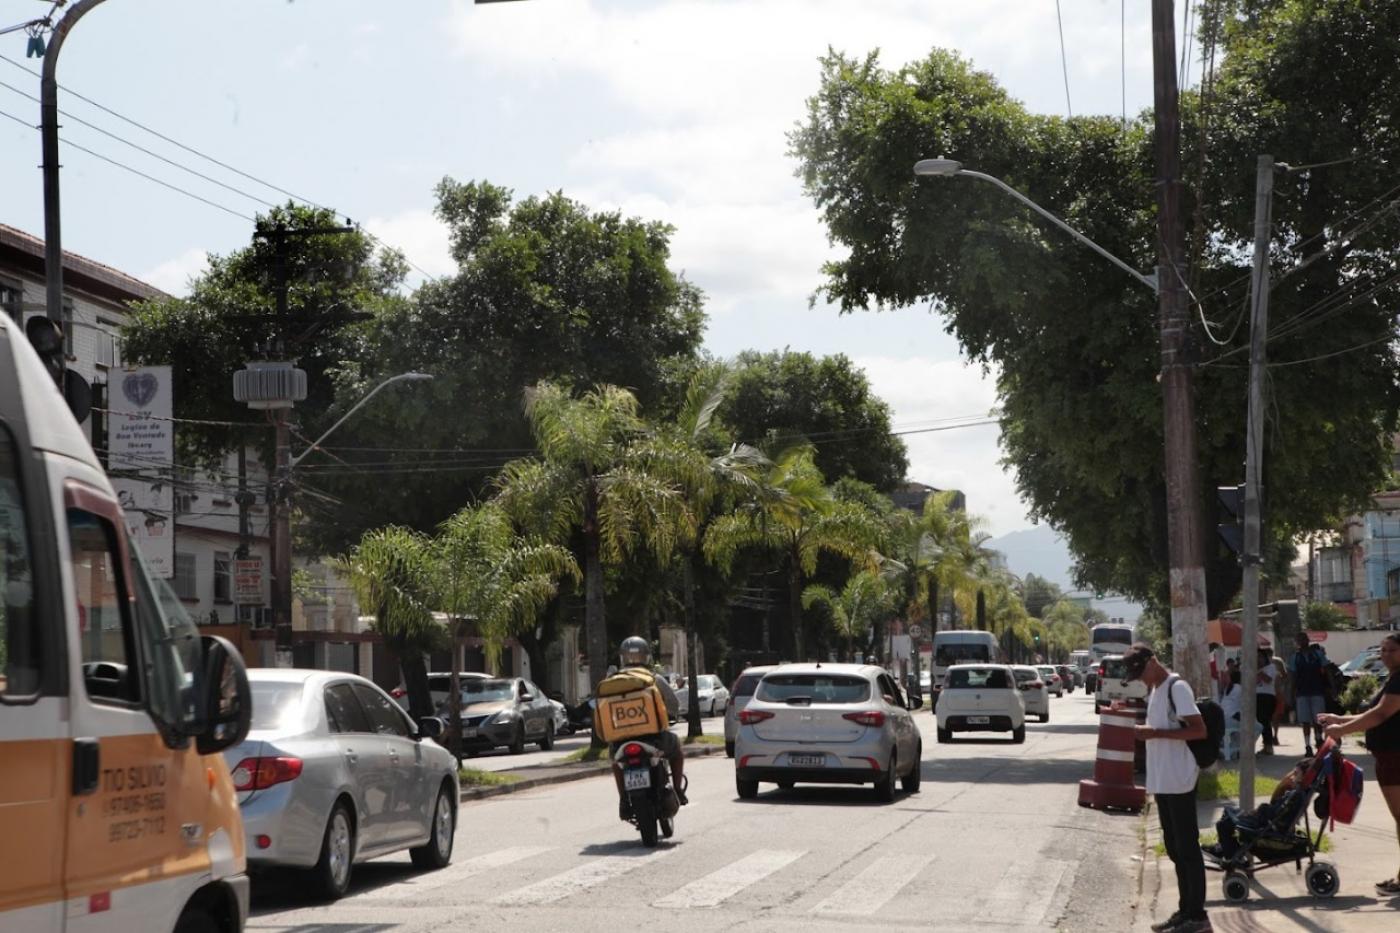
<point>646,780</point>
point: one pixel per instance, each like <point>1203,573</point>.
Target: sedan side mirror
<point>226,699</point>
<point>916,701</point>
<point>431,727</point>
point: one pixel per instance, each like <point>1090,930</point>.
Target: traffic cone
<point>1112,786</point>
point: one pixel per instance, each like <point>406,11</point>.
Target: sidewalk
<point>531,776</point>
<point>1364,853</point>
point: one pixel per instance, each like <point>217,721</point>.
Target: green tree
<point>792,513</point>
<point>1075,342</point>
<point>1065,629</point>
<point>964,560</point>
<point>866,599</point>
<point>1325,617</point>
<point>584,481</point>
<point>1039,594</point>
<point>781,399</point>
<point>392,572</point>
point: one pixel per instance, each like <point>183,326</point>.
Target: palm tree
<point>866,599</point>
<point>791,511</point>
<point>963,560</point>
<point>584,481</point>
<point>391,573</point>
<point>488,574</point>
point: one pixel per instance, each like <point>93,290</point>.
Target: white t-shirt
<point>1171,768</point>
<point>1230,703</point>
<point>1267,677</point>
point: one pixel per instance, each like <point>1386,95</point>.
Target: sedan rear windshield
<point>1025,676</point>
<point>274,703</point>
<point>814,688</point>
<point>978,678</point>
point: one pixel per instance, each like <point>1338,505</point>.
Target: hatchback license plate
<point>636,779</point>
<point>807,761</point>
<point>978,720</point>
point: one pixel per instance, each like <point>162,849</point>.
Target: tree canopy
<point>1074,341</point>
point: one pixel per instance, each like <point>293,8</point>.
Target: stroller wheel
<point>1323,880</point>
<point>1236,887</point>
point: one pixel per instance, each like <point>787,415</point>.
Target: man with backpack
<point>1173,719</point>
<point>635,656</point>
<point>1308,667</point>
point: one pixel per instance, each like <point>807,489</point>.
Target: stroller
<point>1271,835</point>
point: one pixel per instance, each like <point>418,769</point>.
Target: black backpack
<point>1206,750</point>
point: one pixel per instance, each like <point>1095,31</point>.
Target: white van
<point>961,647</point>
<point>116,809</point>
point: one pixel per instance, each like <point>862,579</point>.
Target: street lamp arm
<point>357,406</point>
<point>1149,280</point>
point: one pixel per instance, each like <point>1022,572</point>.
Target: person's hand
<point>1143,733</point>
<point>1117,706</point>
<point>1334,732</point>
<point>1326,719</point>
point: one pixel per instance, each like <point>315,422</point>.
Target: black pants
<point>1177,813</point>
<point>1264,713</point>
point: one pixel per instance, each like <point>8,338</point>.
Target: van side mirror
<point>226,698</point>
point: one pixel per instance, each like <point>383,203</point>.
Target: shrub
<point>1358,693</point>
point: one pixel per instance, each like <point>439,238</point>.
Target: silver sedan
<point>333,772</point>
<point>828,724</point>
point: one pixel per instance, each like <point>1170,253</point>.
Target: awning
<point>1230,634</point>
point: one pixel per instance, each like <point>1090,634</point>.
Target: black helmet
<point>634,651</point>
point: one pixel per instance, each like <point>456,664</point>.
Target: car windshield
<point>1360,661</point>
<point>959,653</point>
<point>1024,675</point>
<point>746,683</point>
<point>1113,668</point>
<point>1046,670</point>
<point>978,678</point>
<point>486,691</point>
<point>275,704</point>
<point>814,688</point>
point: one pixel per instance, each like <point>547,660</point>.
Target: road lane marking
<point>873,888</point>
<point>1024,892</point>
<point>457,872</point>
<point>718,886</point>
<point>591,873</point>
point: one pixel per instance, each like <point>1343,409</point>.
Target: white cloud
<point>174,275</point>
<point>418,235</point>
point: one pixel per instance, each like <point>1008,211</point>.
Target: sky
<point>675,110</point>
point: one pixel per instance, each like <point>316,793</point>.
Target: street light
<point>401,377</point>
<point>944,167</point>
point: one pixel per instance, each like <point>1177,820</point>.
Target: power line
<point>1064,60</point>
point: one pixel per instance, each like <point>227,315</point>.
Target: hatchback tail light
<point>752,717</point>
<point>398,693</point>
<point>871,717</point>
<point>261,773</point>
<point>1034,685</point>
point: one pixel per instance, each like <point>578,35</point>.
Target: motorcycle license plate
<point>636,779</point>
<point>807,761</point>
<point>978,720</point>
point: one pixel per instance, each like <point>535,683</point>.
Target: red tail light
<point>752,717</point>
<point>1100,670</point>
<point>1034,685</point>
<point>871,717</point>
<point>261,773</point>
<point>398,693</point>
<point>632,750</point>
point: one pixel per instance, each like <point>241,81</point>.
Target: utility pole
<point>1253,469</point>
<point>1185,544</point>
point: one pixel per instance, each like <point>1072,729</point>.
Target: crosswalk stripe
<point>719,886</point>
<point>592,872</point>
<point>1024,891</point>
<point>873,887</point>
<point>457,871</point>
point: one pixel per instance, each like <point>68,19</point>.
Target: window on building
<point>186,586</point>
<point>223,577</point>
<point>11,297</point>
<point>107,351</point>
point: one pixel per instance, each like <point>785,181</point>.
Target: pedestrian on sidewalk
<point>1309,688</point>
<point>1173,719</point>
<point>1264,700</point>
<point>1381,723</point>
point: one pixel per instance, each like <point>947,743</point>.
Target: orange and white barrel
<point>1112,787</point>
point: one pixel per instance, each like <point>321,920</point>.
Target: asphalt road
<point>995,840</point>
<point>499,759</point>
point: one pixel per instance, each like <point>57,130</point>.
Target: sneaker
<point>1307,751</point>
<point>680,791</point>
<point>1171,922</point>
<point>1193,926</point>
<point>624,809</point>
<point>1389,887</point>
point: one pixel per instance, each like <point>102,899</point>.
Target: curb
<point>576,773</point>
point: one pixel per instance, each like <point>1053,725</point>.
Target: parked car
<point>713,695</point>
<point>1367,662</point>
<point>744,686</point>
<point>828,724</point>
<point>562,726</point>
<point>333,772</point>
<point>981,698</point>
<point>1069,677</point>
<point>1034,693</point>
<point>505,712</point>
<point>1054,683</point>
<point>1111,687</point>
<point>439,686</point>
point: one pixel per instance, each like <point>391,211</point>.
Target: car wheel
<point>728,749</point>
<point>437,851</point>
<point>332,871</point>
<point>517,744</point>
<point>945,736</point>
<point>1018,735</point>
<point>911,781</point>
<point>1044,717</point>
<point>748,790</point>
<point>884,788</point>
<point>197,920</point>
<point>547,742</point>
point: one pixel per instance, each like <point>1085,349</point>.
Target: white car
<point>981,698</point>
<point>1111,687</point>
<point>1035,694</point>
<point>713,695</point>
<point>828,724</point>
<point>1053,682</point>
<point>744,686</point>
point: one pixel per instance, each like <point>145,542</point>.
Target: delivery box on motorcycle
<point>629,705</point>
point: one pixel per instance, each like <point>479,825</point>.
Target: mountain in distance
<point>1042,551</point>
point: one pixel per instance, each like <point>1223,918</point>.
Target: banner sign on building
<point>247,582</point>
<point>141,460</point>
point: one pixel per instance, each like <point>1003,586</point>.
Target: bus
<point>1109,638</point>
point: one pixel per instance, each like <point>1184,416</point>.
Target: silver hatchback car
<point>828,724</point>
<point>333,772</point>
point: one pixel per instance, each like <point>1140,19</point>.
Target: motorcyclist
<point>635,654</point>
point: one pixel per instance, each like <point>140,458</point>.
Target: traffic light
<point>1231,530</point>
<point>46,336</point>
